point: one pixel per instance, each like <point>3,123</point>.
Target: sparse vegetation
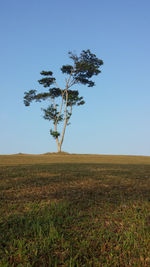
<point>74,210</point>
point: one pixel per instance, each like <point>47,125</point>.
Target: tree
<point>62,101</point>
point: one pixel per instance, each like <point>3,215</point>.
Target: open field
<point>74,210</point>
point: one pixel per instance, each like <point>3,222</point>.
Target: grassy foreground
<point>74,210</point>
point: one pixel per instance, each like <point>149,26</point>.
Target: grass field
<point>74,210</point>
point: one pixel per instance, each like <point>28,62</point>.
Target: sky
<point>36,35</point>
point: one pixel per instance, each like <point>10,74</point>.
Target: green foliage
<point>55,134</point>
<point>85,66</point>
<point>55,92</point>
<point>29,97</point>
<point>46,73</point>
<point>73,98</point>
<point>51,113</point>
<point>67,69</point>
<point>48,81</point>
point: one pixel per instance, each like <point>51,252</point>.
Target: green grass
<point>74,210</point>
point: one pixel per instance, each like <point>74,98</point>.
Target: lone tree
<point>63,100</point>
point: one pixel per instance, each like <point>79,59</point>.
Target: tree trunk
<point>59,147</point>
<point>65,122</point>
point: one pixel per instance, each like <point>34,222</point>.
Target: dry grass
<point>28,159</point>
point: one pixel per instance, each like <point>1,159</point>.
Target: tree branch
<point>62,97</point>
<point>65,123</point>
<point>70,114</point>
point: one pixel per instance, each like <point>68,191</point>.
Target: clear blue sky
<point>37,35</point>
